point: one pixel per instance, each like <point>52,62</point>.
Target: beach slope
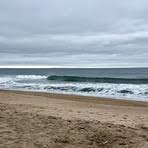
<point>42,120</point>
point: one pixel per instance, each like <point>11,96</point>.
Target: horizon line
<point>46,67</point>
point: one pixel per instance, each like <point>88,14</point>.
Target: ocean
<point>125,83</point>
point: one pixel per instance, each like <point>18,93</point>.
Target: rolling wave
<point>33,77</point>
<point>98,79</point>
<point>94,86</point>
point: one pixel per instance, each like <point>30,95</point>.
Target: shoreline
<point>36,120</point>
<point>82,98</point>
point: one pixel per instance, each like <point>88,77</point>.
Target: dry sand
<point>42,120</point>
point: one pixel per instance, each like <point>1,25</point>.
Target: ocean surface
<point>125,83</point>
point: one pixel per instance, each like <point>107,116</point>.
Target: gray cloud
<point>86,33</point>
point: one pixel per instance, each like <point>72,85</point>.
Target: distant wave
<point>98,79</point>
<point>34,77</point>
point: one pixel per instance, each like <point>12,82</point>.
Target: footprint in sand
<point>70,110</point>
<point>78,111</point>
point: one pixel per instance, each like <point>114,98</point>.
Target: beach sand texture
<point>42,120</point>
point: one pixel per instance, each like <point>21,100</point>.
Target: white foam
<point>33,77</point>
<point>5,79</point>
<point>139,91</point>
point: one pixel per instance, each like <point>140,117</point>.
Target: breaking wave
<point>34,77</point>
<point>98,79</point>
<point>94,86</point>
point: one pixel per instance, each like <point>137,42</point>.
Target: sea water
<point>125,83</point>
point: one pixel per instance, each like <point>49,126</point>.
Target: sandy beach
<point>43,120</point>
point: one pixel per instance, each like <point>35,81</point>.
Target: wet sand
<point>42,120</point>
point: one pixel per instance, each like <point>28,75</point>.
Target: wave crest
<point>98,79</point>
<point>34,77</point>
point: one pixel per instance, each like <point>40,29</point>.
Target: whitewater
<point>133,89</point>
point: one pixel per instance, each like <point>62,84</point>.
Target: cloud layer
<point>86,33</point>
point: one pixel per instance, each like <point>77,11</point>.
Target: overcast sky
<point>74,33</point>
